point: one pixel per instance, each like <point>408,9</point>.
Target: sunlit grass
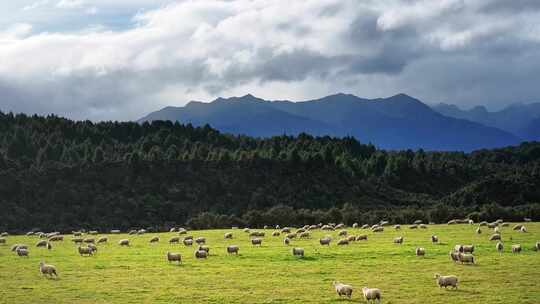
<point>270,274</point>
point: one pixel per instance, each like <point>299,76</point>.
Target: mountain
<point>522,120</point>
<point>397,122</point>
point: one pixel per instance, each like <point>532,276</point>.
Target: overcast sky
<point>120,59</point>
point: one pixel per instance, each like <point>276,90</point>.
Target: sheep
<point>256,242</point>
<point>452,222</point>
<point>115,231</point>
<point>155,239</point>
<point>305,235</point>
<point>397,227</point>
<point>372,294</point>
<point>445,281</point>
<point>173,229</point>
<point>457,248</point>
<point>418,222</point>
<point>423,226</point>
<point>365,226</point>
<point>286,241</point>
<point>93,247</point>
<point>246,230</point>
<point>351,238</point>
<point>174,240</point>
<point>517,227</point>
<point>4,234</point>
<point>93,232</point>
<point>375,226</point>
<point>187,242</point>
<point>286,230</point>
<point>103,239</point>
<point>174,257</point>
<point>523,229</point>
<point>47,269</point>
<point>454,256</point>
<point>505,224</point>
<point>495,237</point>
<point>467,248</point>
<point>483,223</point>
<point>499,246</point>
<point>497,230</point>
<point>85,250</point>
<point>434,239</point>
<point>413,226</point>
<point>188,237</point>
<point>89,240</point>
<point>77,240</point>
<point>124,242</point>
<point>204,247</point>
<point>56,238</point>
<point>200,240</point>
<point>327,227</point>
<point>141,231</point>
<point>342,233</point>
<point>131,232</point>
<point>384,223</point>
<point>291,235</point>
<point>398,240</point>
<point>77,233</point>
<point>2,241</point>
<point>492,225</point>
<point>276,233</point>
<point>466,258</point>
<point>43,243</point>
<point>362,237</point>
<point>228,235</point>
<point>343,289</point>
<point>325,241</point>
<point>526,219</point>
<point>22,251</point>
<point>232,249</point>
<point>343,242</point>
<point>537,246</point>
<point>340,226</point>
<point>301,230</point>
<point>355,225</point>
<point>471,222</point>
<point>201,254</point>
<point>29,233</point>
<point>516,248</point>
<point>378,229</point>
<point>16,246</point>
<point>298,251</point>
<point>182,231</point>
<point>420,251</point>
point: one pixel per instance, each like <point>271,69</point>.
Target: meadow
<point>271,274</point>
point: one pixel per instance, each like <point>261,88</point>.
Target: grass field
<point>270,274</point>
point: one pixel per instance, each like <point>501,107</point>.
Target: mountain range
<point>396,122</point>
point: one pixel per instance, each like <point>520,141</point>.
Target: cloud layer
<point>455,51</point>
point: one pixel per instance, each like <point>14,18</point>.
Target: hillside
<point>397,122</point>
<point>60,173</point>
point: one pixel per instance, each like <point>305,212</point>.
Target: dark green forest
<point>60,174</point>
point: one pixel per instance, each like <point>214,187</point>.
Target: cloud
<point>35,5</point>
<point>453,51</point>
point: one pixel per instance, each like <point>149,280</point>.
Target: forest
<point>61,174</point>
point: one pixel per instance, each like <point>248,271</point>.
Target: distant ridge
<point>396,122</point>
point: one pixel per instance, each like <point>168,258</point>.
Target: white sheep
<point>495,237</point>
<point>187,242</point>
<point>228,235</point>
<point>205,248</point>
<point>256,242</point>
<point>16,246</point>
<point>398,240</point>
<point>378,229</point>
<point>523,229</point>
<point>232,249</point>
<point>155,239</point>
<point>93,247</point>
<point>516,248</point>
<point>420,251</point>
<point>478,230</point>
<point>397,227</point>
<point>466,258</point>
<point>172,257</point>
<point>22,251</point>
<point>115,231</point>
<point>454,255</point>
<point>537,246</point>
<point>342,233</point>
<point>47,269</point>
<point>467,248</point>
<point>200,240</point>
<point>372,294</point>
<point>343,242</point>
<point>298,251</point>
<point>423,226</point>
<point>343,289</point>
<point>89,240</point>
<point>174,239</point>
<point>413,226</point>
<point>103,239</point>
<point>276,233</point>
<point>325,241</point>
<point>499,246</point>
<point>517,227</point>
<point>362,237</point>
<point>85,250</point>
<point>445,281</point>
<point>201,254</point>
<point>286,241</point>
<point>2,240</point>
<point>434,239</point>
<point>124,242</point>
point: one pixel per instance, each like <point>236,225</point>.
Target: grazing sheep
<point>516,248</point>
<point>77,233</point>
<point>362,237</point>
<point>452,222</point>
<point>365,226</point>
<point>286,241</point>
<point>276,233</point>
<point>445,281</point>
<point>182,231</point>
<point>342,233</point>
<point>327,227</point>
<point>90,240</point>
<point>155,239</point>
<point>2,241</point>
<point>505,224</point>
<point>256,242</point>
<point>204,247</point>
<point>325,241</point>
<point>471,222</point>
<point>286,230</point>
<point>384,223</point>
<point>103,239</point>
<point>45,244</point>
<point>351,238</point>
<point>131,232</point>
<point>454,255</point>
<point>499,247</point>
<point>228,235</point>
<point>495,237</point>
<point>291,235</point>
<point>466,258</point>
<point>173,229</point>
<point>187,242</point>
<point>423,226</point>
<point>29,233</point>
<point>4,234</point>
<point>246,230</point>
<point>16,246</point>
<point>93,247</point>
<point>201,254</point>
<point>46,269</point>
<point>22,251</point>
<point>141,231</point>
<point>420,251</point>
<point>174,239</point>
<point>277,227</point>
<point>200,240</point>
<point>340,226</point>
<point>457,248</point>
<point>523,229</point>
<point>305,235</point>
<point>232,249</point>
<point>343,289</point>
<point>85,250</point>
<point>188,237</point>
<point>93,232</point>
<point>492,225</point>
<point>343,242</point>
<point>56,238</point>
<point>174,257</point>
<point>372,294</point>
<point>434,239</point>
<point>124,242</point>
<point>378,229</point>
<point>497,230</point>
<point>398,240</point>
<point>301,230</point>
<point>355,225</point>
<point>467,248</point>
<point>537,246</point>
<point>397,227</point>
<point>115,231</point>
<point>298,252</point>
<point>517,227</point>
<point>413,226</point>
<point>77,240</point>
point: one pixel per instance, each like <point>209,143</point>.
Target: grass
<point>270,274</point>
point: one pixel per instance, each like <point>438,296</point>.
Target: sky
<point>120,59</point>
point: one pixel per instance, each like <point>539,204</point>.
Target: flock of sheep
<point>460,253</point>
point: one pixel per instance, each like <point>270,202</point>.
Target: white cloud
<point>71,4</point>
<point>35,5</point>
